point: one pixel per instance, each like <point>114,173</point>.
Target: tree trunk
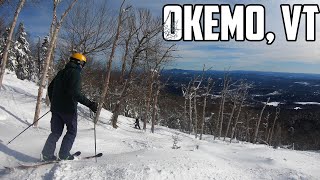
<point>278,136</point>
<point>124,62</point>
<point>218,120</point>
<point>190,113</point>
<point>155,108</point>
<point>195,114</point>
<point>222,115</point>
<point>47,61</point>
<point>116,111</point>
<point>230,119</point>
<point>248,130</point>
<point>50,70</point>
<point>273,125</point>
<point>43,78</point>
<point>50,78</point>
<point>237,120</point>
<point>148,100</point>
<point>267,128</point>
<point>123,93</point>
<point>185,111</point>
<point>109,65</point>
<point>203,114</point>
<point>259,121</point>
<point>8,43</point>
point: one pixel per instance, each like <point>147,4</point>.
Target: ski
<point>94,156</point>
<point>23,166</point>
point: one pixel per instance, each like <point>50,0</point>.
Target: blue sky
<point>282,56</point>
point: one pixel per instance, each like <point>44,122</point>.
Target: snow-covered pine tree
<point>25,66</point>
<point>11,54</point>
<point>2,44</point>
<point>43,54</point>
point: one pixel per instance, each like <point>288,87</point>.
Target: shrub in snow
<point>175,141</point>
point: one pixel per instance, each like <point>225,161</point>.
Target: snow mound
<point>2,117</point>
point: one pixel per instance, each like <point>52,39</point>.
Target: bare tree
<point>53,40</point>
<point>185,93</point>
<point>207,91</point>
<point>129,31</point>
<point>273,125</point>
<point>226,85</point>
<point>158,87</point>
<point>9,40</point>
<point>235,99</point>
<point>155,102</point>
<point>152,63</point>
<point>195,110</point>
<point>87,28</point>
<point>144,34</point>
<point>148,99</point>
<point>52,26</point>
<point>110,60</point>
<point>195,89</point>
<point>259,121</point>
<point>266,127</point>
<point>189,95</point>
<point>244,94</point>
<point>247,127</point>
<point>190,109</point>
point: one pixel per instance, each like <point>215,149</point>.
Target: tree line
<point>125,49</point>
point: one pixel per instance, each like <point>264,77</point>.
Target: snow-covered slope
<point>133,154</point>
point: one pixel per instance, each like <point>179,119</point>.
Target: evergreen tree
<point>43,53</point>
<point>2,44</point>
<point>11,55</point>
<point>25,65</point>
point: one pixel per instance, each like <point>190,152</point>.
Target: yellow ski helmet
<point>79,57</point>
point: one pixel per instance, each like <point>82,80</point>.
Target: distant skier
<point>64,94</point>
<point>137,124</point>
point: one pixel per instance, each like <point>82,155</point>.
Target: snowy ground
<point>133,154</point>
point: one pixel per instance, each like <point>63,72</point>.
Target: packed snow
<point>133,154</point>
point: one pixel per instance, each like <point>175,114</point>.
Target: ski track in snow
<point>132,154</point>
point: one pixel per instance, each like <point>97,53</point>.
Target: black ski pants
<point>58,120</point>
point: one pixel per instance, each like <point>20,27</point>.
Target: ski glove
<point>93,106</point>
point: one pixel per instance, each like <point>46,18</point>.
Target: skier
<point>137,124</point>
<point>64,94</point>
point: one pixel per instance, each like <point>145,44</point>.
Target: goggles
<point>81,63</point>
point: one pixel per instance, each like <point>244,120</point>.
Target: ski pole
<point>28,127</point>
<point>95,141</point>
<point>95,136</point>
